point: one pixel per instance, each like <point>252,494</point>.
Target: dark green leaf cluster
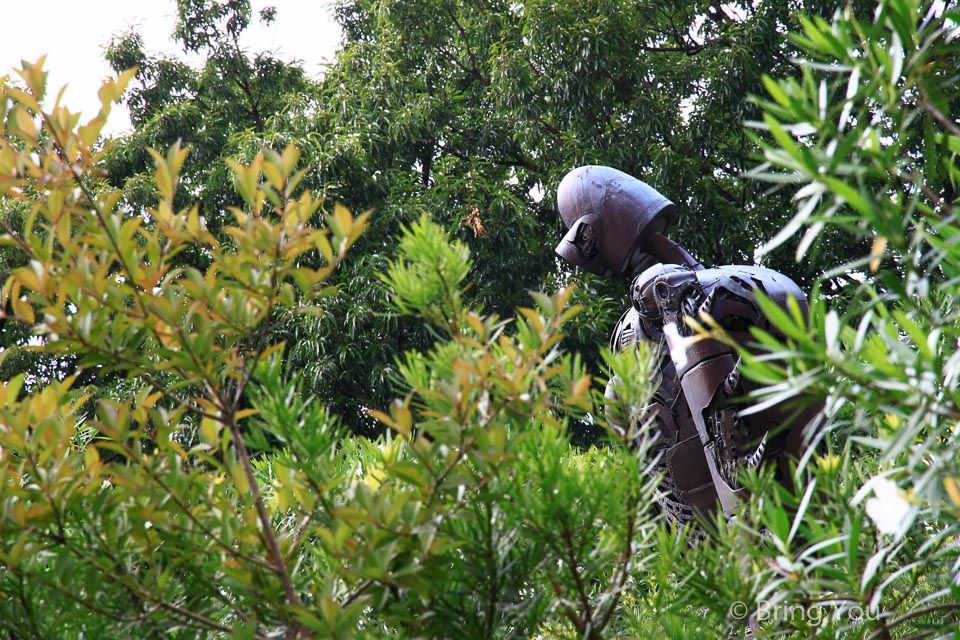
<point>472,113</point>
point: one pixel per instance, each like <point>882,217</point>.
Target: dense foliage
<point>183,510</point>
<point>472,112</point>
<point>175,458</point>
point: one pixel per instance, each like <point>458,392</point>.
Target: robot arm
<point>687,486</point>
<point>707,368</point>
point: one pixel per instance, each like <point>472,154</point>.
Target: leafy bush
<point>215,499</point>
<point>869,545</point>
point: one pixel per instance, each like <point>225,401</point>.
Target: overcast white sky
<point>74,33</point>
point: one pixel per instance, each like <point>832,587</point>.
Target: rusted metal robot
<point>616,227</point>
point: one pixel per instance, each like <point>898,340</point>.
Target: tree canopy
<point>473,112</point>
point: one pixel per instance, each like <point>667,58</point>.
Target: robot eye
<point>587,242</point>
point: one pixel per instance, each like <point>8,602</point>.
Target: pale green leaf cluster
<point>216,499</point>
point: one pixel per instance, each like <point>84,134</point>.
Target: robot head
<point>609,215</point>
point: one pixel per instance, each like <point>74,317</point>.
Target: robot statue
<point>616,226</point>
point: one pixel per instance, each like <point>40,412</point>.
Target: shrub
<point>208,497</point>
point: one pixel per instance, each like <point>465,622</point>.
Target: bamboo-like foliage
<point>867,546</point>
